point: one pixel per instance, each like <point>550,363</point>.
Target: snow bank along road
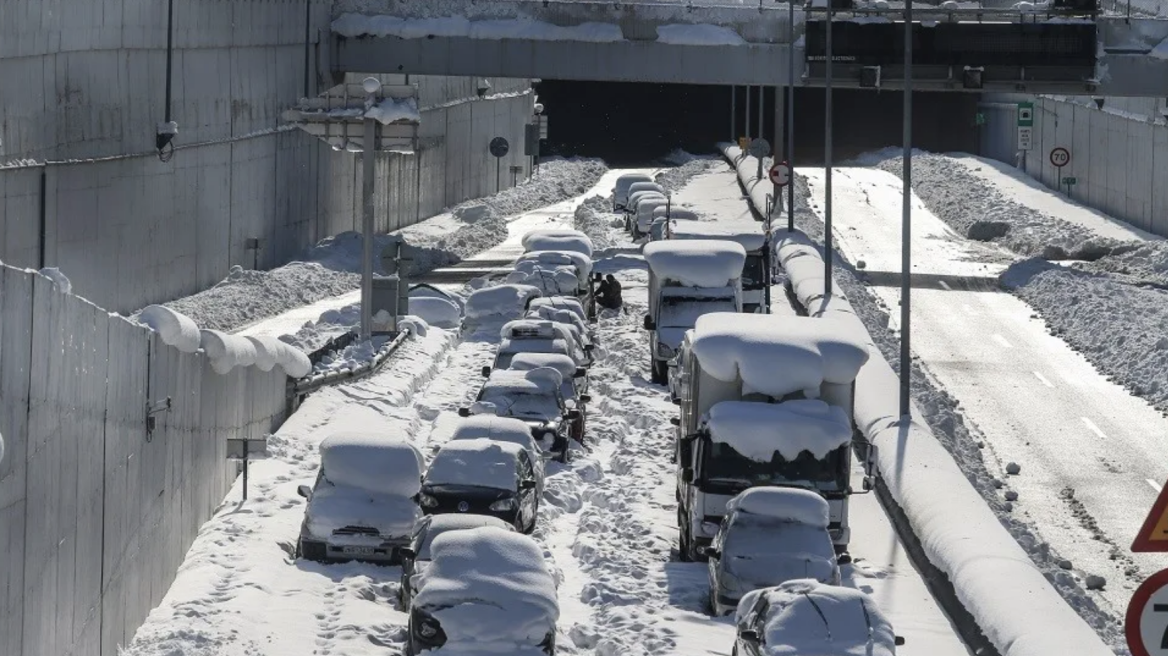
<point>1091,455</point>
<point>607,521</point>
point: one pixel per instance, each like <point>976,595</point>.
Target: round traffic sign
<point>1146,622</point>
<point>780,174</point>
<point>499,147</point>
<point>759,147</point>
<point>1060,157</point>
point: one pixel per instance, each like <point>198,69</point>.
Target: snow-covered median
<point>993,577</point>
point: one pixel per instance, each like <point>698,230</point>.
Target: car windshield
<point>725,465</point>
<point>683,311</point>
<point>522,404</point>
<point>752,272</point>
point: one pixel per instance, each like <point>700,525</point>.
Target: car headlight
<point>428,628</point>
<point>664,352</point>
<point>503,504</point>
<point>427,501</point>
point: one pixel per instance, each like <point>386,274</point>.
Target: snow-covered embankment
<point>993,577</point>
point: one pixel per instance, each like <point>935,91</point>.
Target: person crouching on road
<point>608,294</point>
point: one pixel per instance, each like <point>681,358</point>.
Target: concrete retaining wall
<point>81,187</point>
<point>96,513</point>
<point>1119,155</point>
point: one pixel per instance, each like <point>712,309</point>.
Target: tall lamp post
<point>906,219</point>
<point>372,86</point>
<point>791,113</point>
<point>827,258</point>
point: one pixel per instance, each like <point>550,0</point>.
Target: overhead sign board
<point>1025,115</point>
<point>1153,535</point>
<point>1025,138</point>
<point>1146,623</point>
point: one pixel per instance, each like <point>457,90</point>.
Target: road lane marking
<point>1155,485</point>
<point>1093,428</point>
<point>1001,340</point>
<point>945,285</point>
<point>1042,378</point>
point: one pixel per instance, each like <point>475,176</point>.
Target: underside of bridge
<point>625,123</point>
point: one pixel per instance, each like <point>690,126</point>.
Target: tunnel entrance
<point>630,124</point>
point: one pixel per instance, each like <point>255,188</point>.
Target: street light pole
<point>827,258</point>
<point>791,114</point>
<point>906,221</point>
<point>369,147</point>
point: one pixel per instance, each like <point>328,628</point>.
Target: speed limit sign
<point>1060,157</point>
<point>1146,623</point>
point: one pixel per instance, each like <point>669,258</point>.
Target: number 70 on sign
<point>1146,623</point>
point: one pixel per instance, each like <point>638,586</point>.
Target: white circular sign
<point>1146,625</point>
<point>780,174</point>
<point>1060,157</point>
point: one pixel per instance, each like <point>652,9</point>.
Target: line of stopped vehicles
<point>763,452</point>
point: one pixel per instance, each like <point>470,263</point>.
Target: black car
<point>484,477</point>
<point>535,398</point>
<point>416,557</point>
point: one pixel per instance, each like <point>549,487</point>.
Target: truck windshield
<point>723,464</point>
<point>752,272</point>
<point>683,311</point>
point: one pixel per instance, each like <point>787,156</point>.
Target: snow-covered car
<point>568,303</point>
<point>435,307</point>
<point>642,219</point>
<point>530,336</point>
<point>509,300</point>
<point>483,476</point>
<point>535,398</point>
<point>647,186</point>
<point>503,429</point>
<point>768,536</point>
<point>579,263</point>
<point>416,557</point>
<point>364,503</point>
<point>620,191</point>
<point>574,387</point>
<point>551,280</point>
<point>558,239</point>
<point>565,317</point>
<point>634,202</point>
<point>805,616</point>
<point>486,591</point>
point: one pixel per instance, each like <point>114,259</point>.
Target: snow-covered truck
<point>765,400</point>
<point>686,280</point>
<point>756,271</point>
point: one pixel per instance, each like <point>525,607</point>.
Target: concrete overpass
<point>740,44</point>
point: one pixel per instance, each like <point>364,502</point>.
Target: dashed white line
<point>1042,379</point>
<point>945,285</point>
<point>1155,486</point>
<point>1001,340</point>
<point>1092,427</point>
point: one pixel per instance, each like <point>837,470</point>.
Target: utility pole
<point>827,258</point>
<point>368,154</point>
<point>791,113</point>
<point>906,221</point>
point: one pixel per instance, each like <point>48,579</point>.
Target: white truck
<point>765,400</point>
<point>756,272</point>
<point>686,280</point>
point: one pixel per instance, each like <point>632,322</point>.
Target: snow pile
<point>355,25</point>
<point>760,430</point>
<point>557,180</point>
<point>175,329</point>
<point>246,296</point>
<point>372,461</point>
<point>696,263</point>
<point>699,35</point>
<point>808,617</point>
<point>673,179</point>
<point>59,280</point>
<point>561,239</point>
<point>353,356</point>
<point>226,351</point>
<point>437,312</point>
<point>593,217</point>
<point>480,462</point>
<point>487,585</point>
<point>413,324</point>
<point>392,110</point>
<point>787,504</point>
<point>268,351</point>
<point>779,356</point>
<point>500,300</point>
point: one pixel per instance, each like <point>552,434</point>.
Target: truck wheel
<point>683,548</point>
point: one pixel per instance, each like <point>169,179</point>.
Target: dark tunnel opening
<point>630,124</point>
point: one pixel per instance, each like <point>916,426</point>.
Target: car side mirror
<point>675,400</point>
<point>869,483</point>
<point>749,635</point>
<point>588,348</point>
<point>649,323</point>
<point>899,641</point>
<point>580,372</point>
<point>407,552</point>
<point>486,372</point>
<point>676,421</point>
<point>572,415</point>
<point>464,412</point>
<point>527,484</point>
<point>585,398</point>
<point>304,491</point>
<point>710,552</point>
<point>687,475</point>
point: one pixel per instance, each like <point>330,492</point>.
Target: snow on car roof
<point>438,312</point>
<point>674,213</point>
<point>459,521</point>
<point>559,303</point>
<point>582,262</point>
<point>490,585</point>
<point>558,240</point>
<point>506,429</point>
<point>783,503</point>
<point>759,430</point>
<point>696,263</point>
<point>808,617</point>
<point>565,365</point>
<point>533,345</point>
<point>629,179</point>
<point>566,317</point>
<point>372,461</point>
<point>481,461</point>
<point>500,299</point>
<point>535,381</point>
<point>775,355</point>
<point>750,235</point>
<point>536,328</point>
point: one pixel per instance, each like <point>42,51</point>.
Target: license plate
<point>358,551</point>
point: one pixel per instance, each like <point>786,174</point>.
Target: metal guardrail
<point>302,387</point>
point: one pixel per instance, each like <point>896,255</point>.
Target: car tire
<point>712,604</point>
<point>683,548</point>
<point>312,550</point>
<point>659,374</point>
<point>530,526</point>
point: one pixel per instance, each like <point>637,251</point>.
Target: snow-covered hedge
<point>993,577</point>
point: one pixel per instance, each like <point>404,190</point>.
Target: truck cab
<point>764,401</point>
<point>686,280</point>
<point>756,270</point>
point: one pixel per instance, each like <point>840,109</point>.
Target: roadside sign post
<point>1146,622</point>
<point>1060,157</point>
<point>499,148</point>
<point>240,449</point>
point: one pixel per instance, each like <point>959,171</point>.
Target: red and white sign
<point>1146,622</point>
<point>780,174</point>
<point>1060,157</point>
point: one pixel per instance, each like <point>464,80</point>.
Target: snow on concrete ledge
<point>699,35</point>
<point>355,25</point>
<point>1012,602</point>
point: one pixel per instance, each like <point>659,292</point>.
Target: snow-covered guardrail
<point>313,382</point>
<point>1013,604</point>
